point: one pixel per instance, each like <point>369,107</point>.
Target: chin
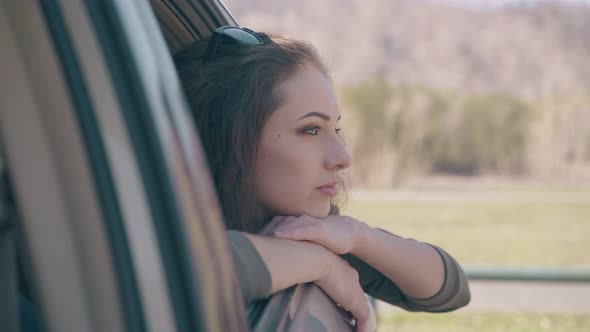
<point>319,212</point>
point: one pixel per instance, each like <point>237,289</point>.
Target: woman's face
<point>301,152</point>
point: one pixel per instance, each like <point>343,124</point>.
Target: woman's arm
<point>417,268</point>
<point>453,294</point>
<point>267,265</point>
<point>290,262</point>
<point>253,275</point>
<point>411,274</point>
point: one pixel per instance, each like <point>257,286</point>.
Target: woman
<point>267,114</point>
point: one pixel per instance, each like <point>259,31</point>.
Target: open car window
<point>300,308</point>
<point>119,222</point>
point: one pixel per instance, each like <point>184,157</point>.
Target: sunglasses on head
<point>238,36</point>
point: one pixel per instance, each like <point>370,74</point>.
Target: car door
<point>116,222</point>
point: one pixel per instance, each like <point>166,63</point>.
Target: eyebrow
<point>320,115</point>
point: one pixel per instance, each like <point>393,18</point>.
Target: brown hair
<point>231,98</point>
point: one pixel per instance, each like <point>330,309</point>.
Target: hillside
<point>530,49</point>
<point>442,86</point>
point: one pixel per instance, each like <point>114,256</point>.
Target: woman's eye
<point>312,130</point>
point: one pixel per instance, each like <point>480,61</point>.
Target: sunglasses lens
<point>242,36</point>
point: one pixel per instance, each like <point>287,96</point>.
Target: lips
<point>329,189</point>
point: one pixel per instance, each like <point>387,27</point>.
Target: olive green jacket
<point>255,280</point>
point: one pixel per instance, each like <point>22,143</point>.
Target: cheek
<point>284,176</point>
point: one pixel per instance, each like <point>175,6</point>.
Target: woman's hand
<point>341,284</point>
<point>292,262</point>
<point>339,234</point>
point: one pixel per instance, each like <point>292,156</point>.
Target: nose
<point>337,156</point>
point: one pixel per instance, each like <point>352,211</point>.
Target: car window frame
<point>179,184</point>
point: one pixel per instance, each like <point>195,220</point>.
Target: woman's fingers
<point>297,231</point>
<point>276,220</point>
<point>339,234</point>
<point>341,283</point>
<point>360,310</point>
<point>331,234</point>
<point>361,326</point>
<point>302,228</point>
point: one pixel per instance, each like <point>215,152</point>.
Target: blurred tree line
<point>395,131</point>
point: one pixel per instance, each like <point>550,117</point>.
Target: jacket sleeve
<point>453,294</point>
<point>253,275</point>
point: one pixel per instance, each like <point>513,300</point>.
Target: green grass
<point>500,228</point>
<point>484,322</point>
<point>503,227</point>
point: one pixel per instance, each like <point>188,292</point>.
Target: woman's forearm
<point>415,267</point>
<point>295,262</point>
<point>414,275</point>
<point>291,262</point>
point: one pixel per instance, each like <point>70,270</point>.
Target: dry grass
<point>484,322</point>
<point>501,227</point>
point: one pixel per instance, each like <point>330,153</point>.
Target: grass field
<point>502,227</point>
<point>507,227</point>
<point>484,322</point>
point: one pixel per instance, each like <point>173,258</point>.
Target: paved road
<point>524,296</point>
